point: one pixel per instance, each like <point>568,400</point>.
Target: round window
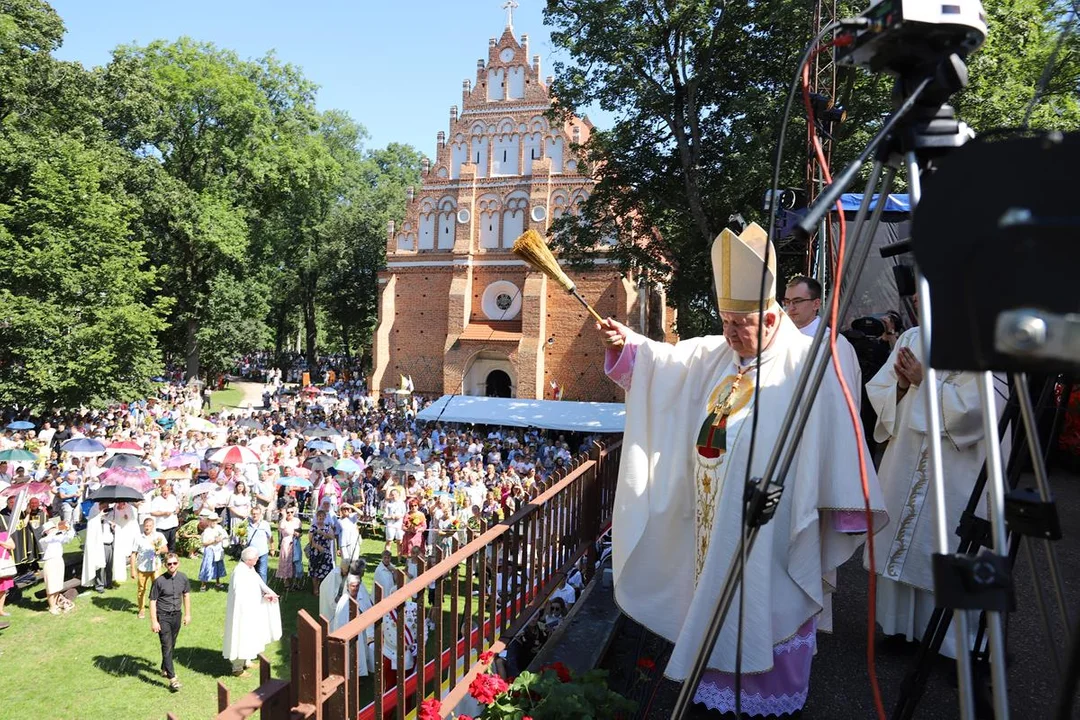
<point>501,300</point>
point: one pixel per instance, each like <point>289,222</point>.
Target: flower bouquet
<point>414,521</point>
<point>552,694</point>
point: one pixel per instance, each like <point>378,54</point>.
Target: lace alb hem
<point>795,642</point>
<point>722,699</point>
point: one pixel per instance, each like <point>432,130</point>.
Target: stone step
<point>582,639</point>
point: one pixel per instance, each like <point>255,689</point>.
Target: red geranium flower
<point>646,663</point>
<point>485,688</point>
<point>429,710</point>
<point>559,669</point>
<point>487,657</point>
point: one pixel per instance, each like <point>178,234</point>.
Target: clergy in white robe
<point>330,590</point>
<point>676,525</point>
<point>905,598</point>
<point>93,548</point>
<point>355,591</point>
<point>252,614</point>
<point>802,303</point>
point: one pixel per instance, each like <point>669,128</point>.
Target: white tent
<point>593,417</point>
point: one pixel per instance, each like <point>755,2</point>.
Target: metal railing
<point>472,600</point>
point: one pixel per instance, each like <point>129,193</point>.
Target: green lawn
<point>232,397</point>
<point>101,661</point>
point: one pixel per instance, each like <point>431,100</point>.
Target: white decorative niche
<point>538,213</point>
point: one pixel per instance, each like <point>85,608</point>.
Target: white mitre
<point>737,262</point>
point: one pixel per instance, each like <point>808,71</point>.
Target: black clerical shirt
<point>168,592</point>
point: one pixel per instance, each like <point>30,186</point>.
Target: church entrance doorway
<point>497,384</point>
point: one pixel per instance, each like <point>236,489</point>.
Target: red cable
<point>871,621</point>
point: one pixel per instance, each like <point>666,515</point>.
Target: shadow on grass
<point>118,604</point>
<point>204,661</point>
<point>130,666</point>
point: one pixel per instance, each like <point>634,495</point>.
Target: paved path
<point>252,393</point>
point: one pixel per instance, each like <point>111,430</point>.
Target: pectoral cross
<point>509,6</point>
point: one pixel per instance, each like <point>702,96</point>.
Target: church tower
<point>458,312</point>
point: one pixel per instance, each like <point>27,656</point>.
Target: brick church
<point>458,312</point>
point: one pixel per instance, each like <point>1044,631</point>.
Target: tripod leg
<point>1038,463</point>
<point>997,521</point>
<point>933,437</point>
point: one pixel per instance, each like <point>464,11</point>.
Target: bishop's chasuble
<point>676,527</point>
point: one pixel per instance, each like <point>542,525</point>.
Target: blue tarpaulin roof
<point>895,203</point>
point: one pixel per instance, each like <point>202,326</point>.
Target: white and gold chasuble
<point>677,510</point>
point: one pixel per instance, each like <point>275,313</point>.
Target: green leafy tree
<point>697,90</point>
<point>208,127</point>
<point>79,302</point>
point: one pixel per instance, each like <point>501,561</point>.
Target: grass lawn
<point>101,661</point>
<point>233,397</point>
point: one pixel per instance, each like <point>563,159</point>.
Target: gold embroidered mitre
<point>737,261</point>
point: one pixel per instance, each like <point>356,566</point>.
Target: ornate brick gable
<point>456,308</point>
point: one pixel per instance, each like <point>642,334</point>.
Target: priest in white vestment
<point>126,532</point>
<point>355,591</point>
<point>905,597</point>
<point>676,526</point>
<point>802,303</point>
<point>93,548</point>
<point>252,615</point>
<point>330,590</point>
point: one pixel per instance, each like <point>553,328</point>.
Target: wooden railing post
<point>309,689</point>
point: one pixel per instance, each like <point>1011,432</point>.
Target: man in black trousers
<point>169,591</point>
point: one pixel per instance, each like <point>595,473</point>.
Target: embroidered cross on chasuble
<point>729,396</point>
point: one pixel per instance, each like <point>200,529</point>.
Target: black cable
<point>775,189</point>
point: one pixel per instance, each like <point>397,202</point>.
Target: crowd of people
<point>302,478</point>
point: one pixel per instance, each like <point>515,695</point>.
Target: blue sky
<point>395,67</point>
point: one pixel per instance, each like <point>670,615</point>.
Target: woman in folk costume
<point>689,412</point>
<point>252,615</point>
<point>905,591</point>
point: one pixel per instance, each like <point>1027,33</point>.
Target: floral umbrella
<point>135,478</point>
<point>39,490</point>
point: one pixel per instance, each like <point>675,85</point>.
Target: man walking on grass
<point>169,591</point>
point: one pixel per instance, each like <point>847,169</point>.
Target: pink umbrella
<point>39,490</point>
<point>183,460</point>
<point>135,478</point>
<point>234,455</point>
<point>125,446</point>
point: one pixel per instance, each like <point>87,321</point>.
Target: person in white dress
<point>252,615</point>
<point>905,589</point>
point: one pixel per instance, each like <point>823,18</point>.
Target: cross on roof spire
<point>509,6</point>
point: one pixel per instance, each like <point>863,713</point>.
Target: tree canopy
<point>178,203</point>
<point>697,90</point>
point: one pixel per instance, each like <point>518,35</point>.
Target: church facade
<point>458,312</point>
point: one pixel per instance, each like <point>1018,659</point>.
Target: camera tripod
<point>922,128</point>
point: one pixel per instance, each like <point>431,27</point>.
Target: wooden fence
<point>487,590</point>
